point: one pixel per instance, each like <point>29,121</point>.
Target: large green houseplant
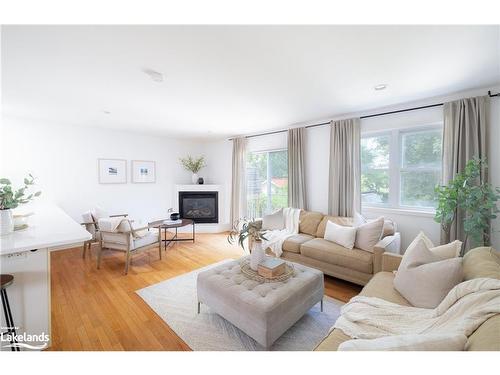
<point>477,203</point>
<point>11,198</point>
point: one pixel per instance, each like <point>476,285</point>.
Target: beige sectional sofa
<point>311,249</point>
<point>479,262</point>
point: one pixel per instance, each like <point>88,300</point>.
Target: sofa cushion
<point>345,221</point>
<point>481,262</point>
<point>293,243</point>
<point>329,252</point>
<point>424,278</point>
<point>309,221</point>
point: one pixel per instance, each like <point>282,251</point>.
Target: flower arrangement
<point>10,198</point>
<point>193,164</point>
<point>243,229</point>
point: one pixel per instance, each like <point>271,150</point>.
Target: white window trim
<point>395,167</point>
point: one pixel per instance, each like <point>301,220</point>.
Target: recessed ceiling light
<point>106,112</point>
<point>153,74</point>
<point>381,86</point>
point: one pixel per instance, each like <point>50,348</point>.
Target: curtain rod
<point>361,117</point>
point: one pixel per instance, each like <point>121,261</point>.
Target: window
<point>400,169</point>
<point>267,182</point>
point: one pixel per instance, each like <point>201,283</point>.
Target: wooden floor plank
<point>99,309</point>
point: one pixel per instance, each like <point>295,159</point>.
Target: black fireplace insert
<point>200,206</point>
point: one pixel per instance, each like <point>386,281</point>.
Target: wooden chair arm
<point>119,215</point>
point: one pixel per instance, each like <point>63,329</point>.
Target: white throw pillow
<point>424,277</point>
<point>99,213</point>
<point>274,221</point>
<point>344,236</point>
<point>422,342</point>
<point>358,219</point>
<point>369,234</point>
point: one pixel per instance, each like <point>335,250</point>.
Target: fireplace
<point>200,206</point>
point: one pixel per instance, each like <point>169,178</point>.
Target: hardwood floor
<point>99,309</point>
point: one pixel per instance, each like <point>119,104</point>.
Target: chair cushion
<point>329,252</point>
<point>99,213</point>
<point>292,243</point>
<point>345,221</point>
<point>150,238</point>
<point>87,218</point>
<point>309,221</point>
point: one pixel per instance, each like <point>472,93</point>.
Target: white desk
<point>25,254</point>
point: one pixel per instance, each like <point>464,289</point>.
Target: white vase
<point>6,222</point>
<point>194,178</point>
<point>257,255</point>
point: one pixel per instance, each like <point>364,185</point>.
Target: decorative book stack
<point>271,267</point>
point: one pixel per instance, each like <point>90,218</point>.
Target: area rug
<point>174,300</point>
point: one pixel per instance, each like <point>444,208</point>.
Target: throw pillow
<point>415,342</point>
<point>389,225</point>
<point>344,236</point>
<point>368,235</point>
<point>274,221</point>
<point>358,219</point>
<point>99,213</point>
<point>424,278</point>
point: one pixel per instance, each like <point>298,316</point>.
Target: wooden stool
<point>6,280</point>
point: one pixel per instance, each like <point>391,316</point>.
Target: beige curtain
<point>464,137</point>
<point>296,168</point>
<point>238,187</point>
<point>344,193</point>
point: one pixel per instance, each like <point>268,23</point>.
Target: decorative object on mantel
<point>477,202</point>
<point>243,229</point>
<point>112,171</point>
<point>143,171</point>
<point>201,181</point>
<point>249,273</point>
<point>193,165</point>
<point>10,199</point>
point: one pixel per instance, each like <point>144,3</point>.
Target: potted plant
<point>249,229</point>
<point>193,165</point>
<point>476,202</point>
<point>10,199</point>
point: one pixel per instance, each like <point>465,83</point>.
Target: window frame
<point>396,166</point>
<point>267,152</point>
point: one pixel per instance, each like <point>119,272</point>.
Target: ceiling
<point>229,80</point>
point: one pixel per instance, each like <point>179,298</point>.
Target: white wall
<point>64,161</point>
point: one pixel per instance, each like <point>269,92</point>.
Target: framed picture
<point>143,171</point>
<point>112,171</point>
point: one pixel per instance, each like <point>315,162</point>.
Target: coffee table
<point>264,311</point>
<point>160,224</point>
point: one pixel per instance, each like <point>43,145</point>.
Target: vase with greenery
<point>465,197</point>
<point>193,165</point>
<point>11,198</point>
<point>245,229</point>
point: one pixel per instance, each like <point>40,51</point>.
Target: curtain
<point>464,137</point>
<point>238,186</point>
<point>296,168</point>
<point>344,193</point>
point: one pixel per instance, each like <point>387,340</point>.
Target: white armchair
<point>128,239</point>
<point>90,222</point>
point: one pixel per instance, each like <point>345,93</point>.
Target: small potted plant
<point>10,199</point>
<point>193,165</point>
<point>252,230</point>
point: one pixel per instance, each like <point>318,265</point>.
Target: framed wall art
<point>112,171</point>
<point>143,171</point>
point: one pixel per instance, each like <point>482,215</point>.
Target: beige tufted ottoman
<point>263,311</point>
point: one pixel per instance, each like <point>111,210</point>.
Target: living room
<point>243,187</point>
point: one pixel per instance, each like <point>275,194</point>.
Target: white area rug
<point>175,301</point>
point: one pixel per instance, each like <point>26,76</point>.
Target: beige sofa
<point>479,262</point>
<point>311,249</point>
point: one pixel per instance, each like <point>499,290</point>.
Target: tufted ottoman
<point>264,311</point>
